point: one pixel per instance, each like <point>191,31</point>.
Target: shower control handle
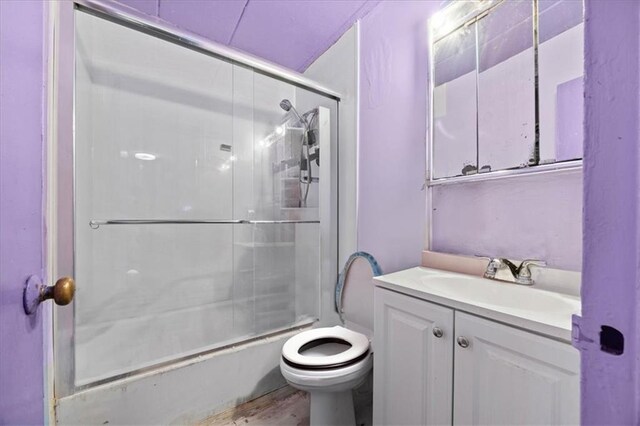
<point>437,331</point>
<point>463,342</point>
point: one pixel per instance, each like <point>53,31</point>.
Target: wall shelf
<point>555,168</point>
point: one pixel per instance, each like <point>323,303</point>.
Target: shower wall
<point>338,68</point>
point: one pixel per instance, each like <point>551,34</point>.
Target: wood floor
<point>283,407</point>
<point>288,407</point>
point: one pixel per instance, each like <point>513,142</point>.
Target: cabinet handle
<point>463,342</point>
<point>437,331</point>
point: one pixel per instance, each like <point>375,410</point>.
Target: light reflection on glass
<point>144,156</point>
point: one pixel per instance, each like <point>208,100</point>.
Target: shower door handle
<point>35,292</point>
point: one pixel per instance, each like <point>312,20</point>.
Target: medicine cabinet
<point>507,86</point>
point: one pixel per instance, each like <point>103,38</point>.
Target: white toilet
<point>329,362</point>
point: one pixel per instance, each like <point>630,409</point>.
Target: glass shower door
<point>154,127</point>
<point>197,206</point>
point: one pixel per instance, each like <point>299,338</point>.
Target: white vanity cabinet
<point>507,376</point>
<point>413,367</point>
<point>478,372</point>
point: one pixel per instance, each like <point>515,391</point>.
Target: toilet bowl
<point>329,362</point>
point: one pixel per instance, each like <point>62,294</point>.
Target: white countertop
<point>540,311</point>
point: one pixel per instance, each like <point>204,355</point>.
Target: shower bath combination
<point>306,156</point>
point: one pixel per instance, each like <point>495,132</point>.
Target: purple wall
<point>21,219</point>
<point>611,267</point>
<point>531,217</point>
<point>393,111</point>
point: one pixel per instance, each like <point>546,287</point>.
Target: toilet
<point>329,362</point>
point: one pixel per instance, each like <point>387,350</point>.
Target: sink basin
<point>542,311</point>
<point>498,294</point>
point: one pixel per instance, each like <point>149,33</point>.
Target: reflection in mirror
<point>560,84</point>
<point>506,88</point>
<point>454,104</point>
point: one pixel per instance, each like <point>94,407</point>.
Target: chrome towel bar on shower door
<point>95,224</point>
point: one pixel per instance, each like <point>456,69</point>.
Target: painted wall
<point>292,33</point>
<point>533,217</point>
<point>611,268</point>
<point>392,128</point>
<point>21,219</point>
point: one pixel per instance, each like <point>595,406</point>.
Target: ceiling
<point>292,33</point>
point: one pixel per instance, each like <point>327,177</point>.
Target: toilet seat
<point>291,350</point>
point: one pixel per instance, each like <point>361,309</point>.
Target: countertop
<point>540,311</point>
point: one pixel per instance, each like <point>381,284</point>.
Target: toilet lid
<point>354,291</point>
<point>294,349</point>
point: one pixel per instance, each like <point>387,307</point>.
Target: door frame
<point>58,193</point>
<point>49,205</point>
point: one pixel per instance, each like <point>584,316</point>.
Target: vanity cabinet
<point>413,367</point>
<point>507,376</point>
<point>428,371</point>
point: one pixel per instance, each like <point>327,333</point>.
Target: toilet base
<point>332,409</point>
<point>330,390</point>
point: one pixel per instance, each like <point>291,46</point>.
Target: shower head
<point>286,105</point>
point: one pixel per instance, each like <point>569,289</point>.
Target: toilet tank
<point>357,294</point>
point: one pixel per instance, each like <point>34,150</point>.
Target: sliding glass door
<point>198,202</point>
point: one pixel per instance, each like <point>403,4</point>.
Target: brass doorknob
<point>35,293</point>
<point>62,292</point>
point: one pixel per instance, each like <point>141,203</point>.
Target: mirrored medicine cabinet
<point>507,86</point>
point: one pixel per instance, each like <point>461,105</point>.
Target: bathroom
<point>319,212</point>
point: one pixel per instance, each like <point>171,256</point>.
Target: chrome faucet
<point>504,270</point>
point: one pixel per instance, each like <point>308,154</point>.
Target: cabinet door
<point>412,366</point>
<point>506,376</point>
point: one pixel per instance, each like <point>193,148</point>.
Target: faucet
<point>504,270</point>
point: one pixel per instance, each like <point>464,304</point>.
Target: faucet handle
<point>492,266</point>
<point>495,263</point>
<point>524,271</point>
<point>528,262</point>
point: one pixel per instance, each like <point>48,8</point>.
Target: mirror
<point>502,98</point>
<point>506,88</point>
<point>560,82</point>
<point>454,104</point>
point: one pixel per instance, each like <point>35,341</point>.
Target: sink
<point>540,310</point>
<point>498,294</point>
